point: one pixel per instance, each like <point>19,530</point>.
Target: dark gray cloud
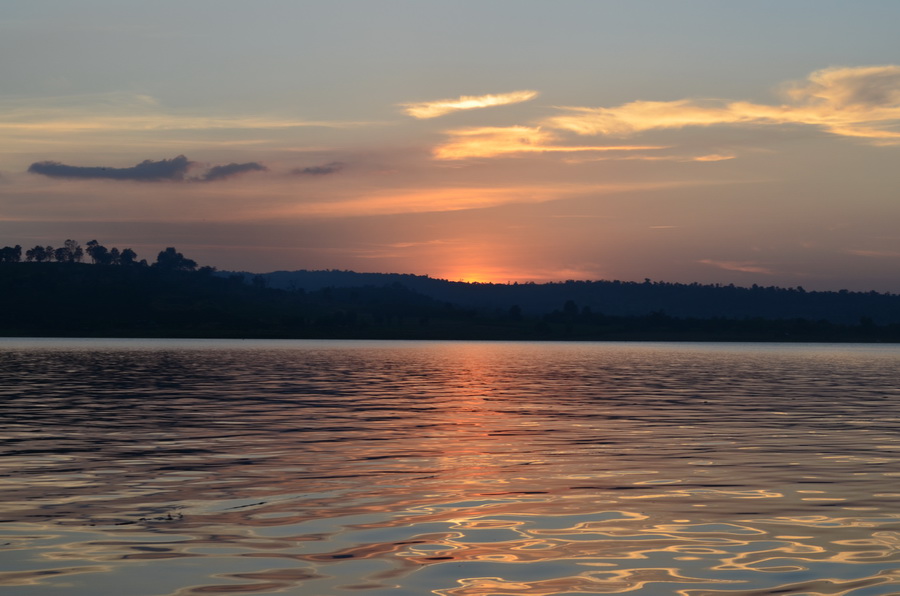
<point>146,171</point>
<point>329,168</point>
<point>232,169</point>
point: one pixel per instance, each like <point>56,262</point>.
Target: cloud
<point>123,123</point>
<point>454,198</point>
<point>230,170</point>
<point>881,254</point>
<point>708,157</point>
<point>115,112</point>
<point>855,102</point>
<point>433,109</point>
<point>435,242</point>
<point>639,116</point>
<point>491,141</point>
<point>329,168</point>
<point>870,86</point>
<point>742,266</point>
<point>146,171</point>
<point>160,123</point>
<point>712,157</point>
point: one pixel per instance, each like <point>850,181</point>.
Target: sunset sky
<point>497,140</point>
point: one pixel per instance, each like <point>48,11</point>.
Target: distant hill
<point>616,298</point>
<point>133,299</point>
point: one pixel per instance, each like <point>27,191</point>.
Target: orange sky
<point>520,141</point>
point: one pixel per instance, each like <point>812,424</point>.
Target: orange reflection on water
<point>478,442</point>
<point>586,582</point>
<point>452,469</point>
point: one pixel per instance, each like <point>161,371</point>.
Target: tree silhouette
<point>69,252</point>
<point>98,253</point>
<point>74,250</point>
<point>128,257</point>
<point>39,253</point>
<point>11,254</point>
<point>171,260</point>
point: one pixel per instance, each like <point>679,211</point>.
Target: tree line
<point>122,295</point>
<point>72,252</point>
<point>173,298</point>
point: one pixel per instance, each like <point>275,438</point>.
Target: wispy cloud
<point>497,141</point>
<point>159,123</point>
<point>878,254</point>
<point>231,170</point>
<point>742,266</point>
<point>707,157</point>
<point>130,113</point>
<point>445,199</point>
<point>400,249</point>
<point>322,170</point>
<point>436,242</point>
<point>855,102</point>
<point>433,109</point>
<point>712,157</point>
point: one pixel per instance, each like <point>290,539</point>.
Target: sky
<point>492,140</point>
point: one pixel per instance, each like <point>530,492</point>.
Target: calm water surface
<point>159,467</point>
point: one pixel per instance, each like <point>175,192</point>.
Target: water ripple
<point>169,468</point>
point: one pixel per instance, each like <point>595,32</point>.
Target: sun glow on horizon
<point>500,275</point>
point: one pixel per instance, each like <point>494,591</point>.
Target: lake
<point>318,468</point>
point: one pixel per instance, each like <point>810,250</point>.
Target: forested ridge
<point>107,292</point>
<point>626,298</point>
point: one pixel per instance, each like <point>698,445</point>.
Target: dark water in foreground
<point>157,467</point>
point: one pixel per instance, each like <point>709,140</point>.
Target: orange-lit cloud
<point>427,200</point>
<point>280,199</point>
<point>712,157</point>
<point>709,157</point>
<point>639,116</point>
<point>490,141</point>
<point>857,102</point>
<point>433,109</point>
